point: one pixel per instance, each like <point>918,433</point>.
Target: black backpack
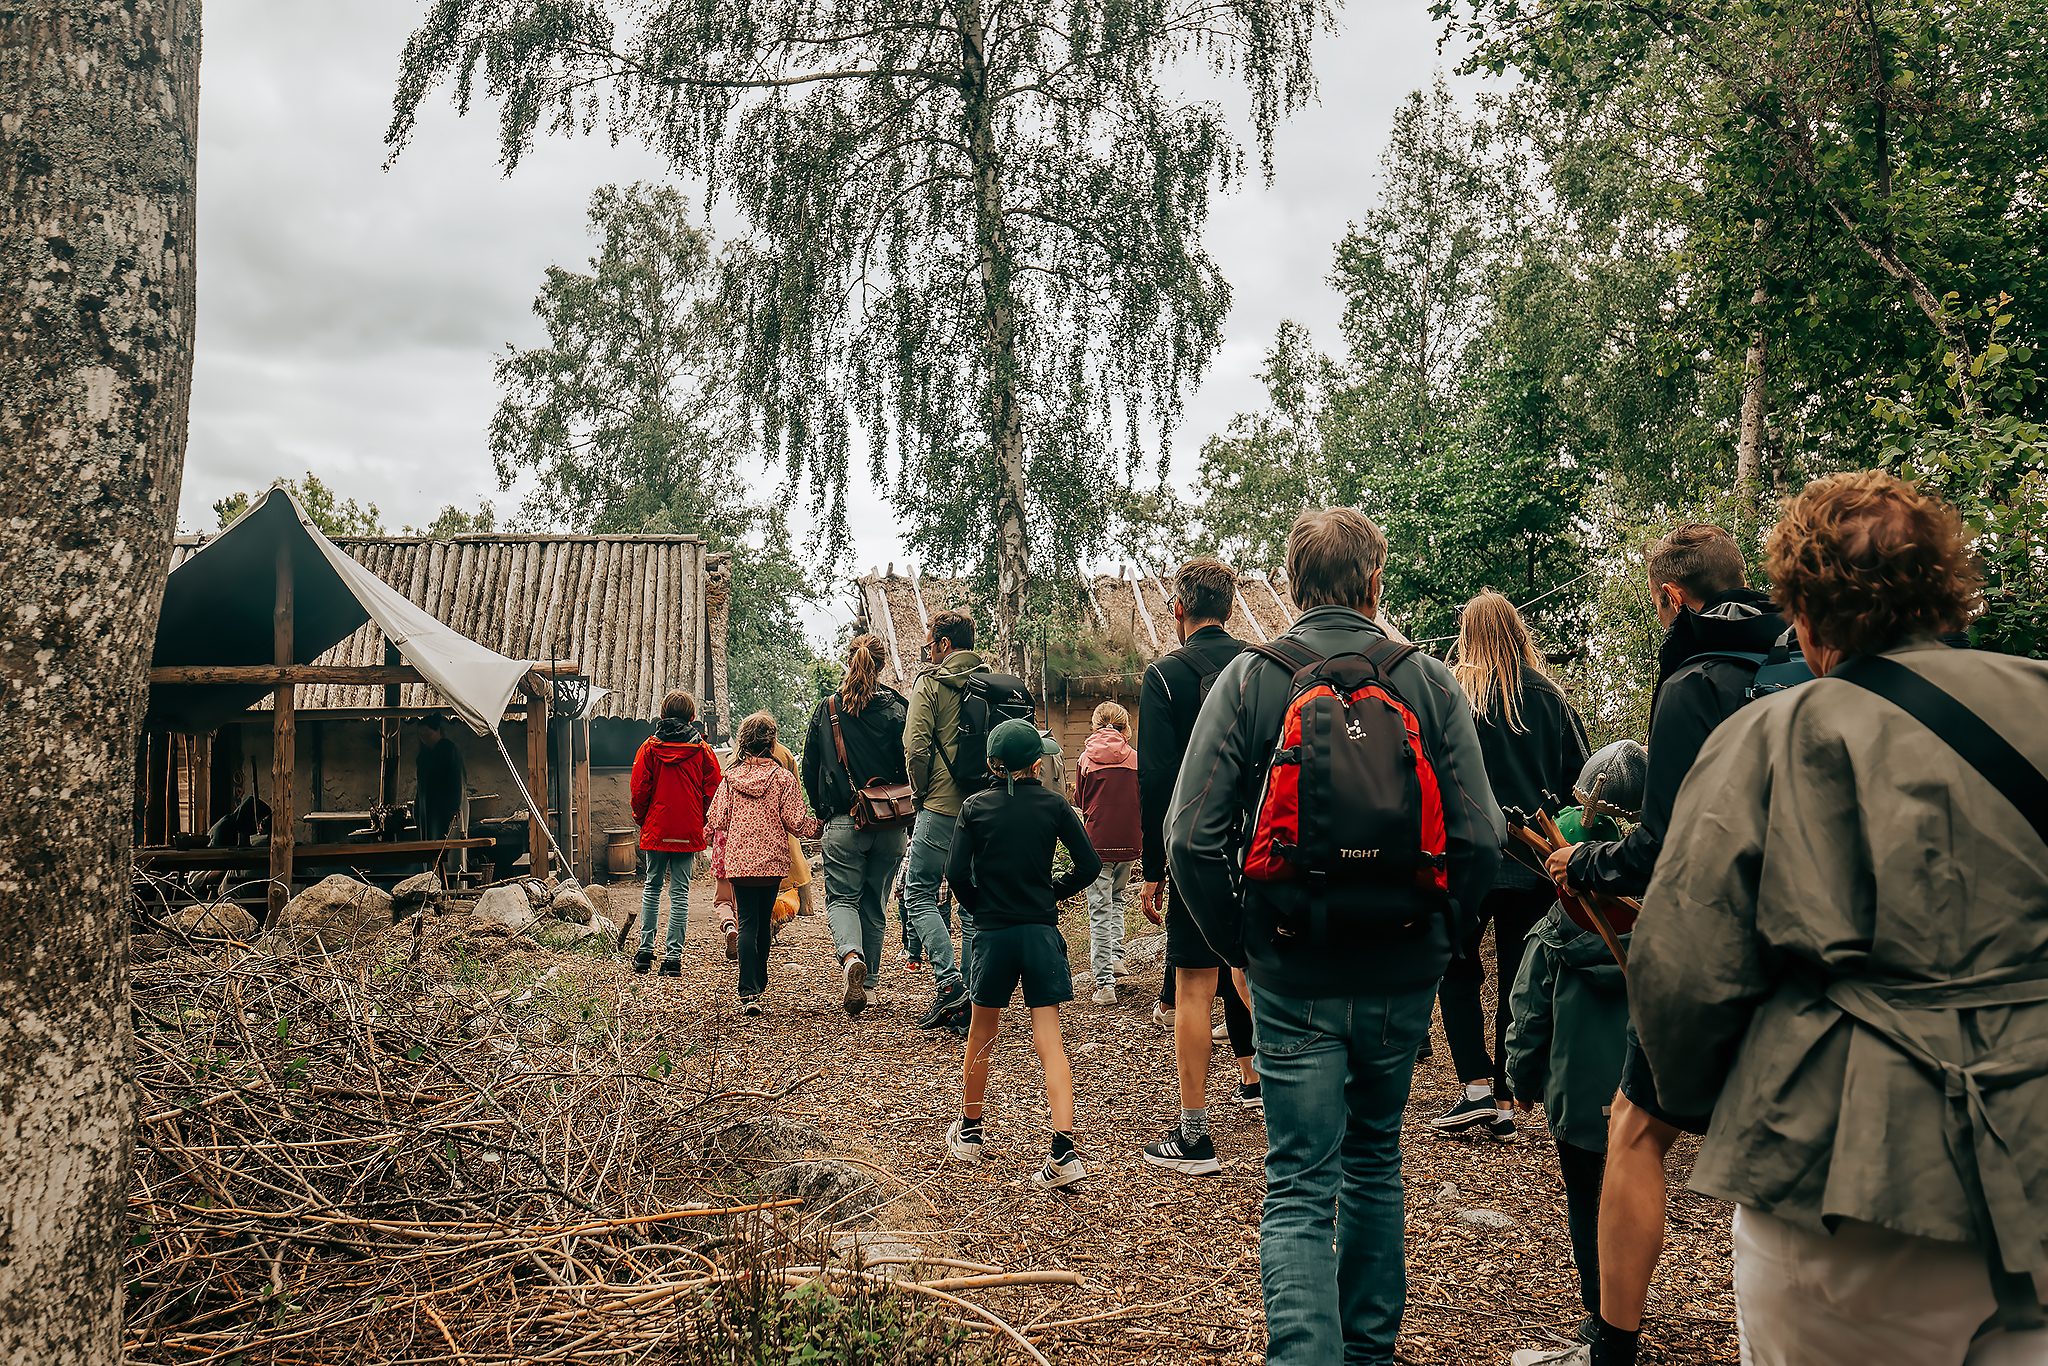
<point>1783,667</point>
<point>986,701</point>
<point>1205,670</point>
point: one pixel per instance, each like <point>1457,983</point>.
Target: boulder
<point>832,1191</point>
<point>328,916</point>
<point>416,891</point>
<point>222,920</point>
<point>508,905</point>
<point>571,902</point>
<point>1143,953</point>
<point>771,1137</point>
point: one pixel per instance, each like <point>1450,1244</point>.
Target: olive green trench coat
<point>1844,955</point>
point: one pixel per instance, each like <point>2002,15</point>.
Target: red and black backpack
<point>1349,812</point>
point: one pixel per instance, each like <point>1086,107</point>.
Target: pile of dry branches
<point>340,1160</point>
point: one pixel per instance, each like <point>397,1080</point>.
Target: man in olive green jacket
<point>1844,954</point>
<point>927,743</point>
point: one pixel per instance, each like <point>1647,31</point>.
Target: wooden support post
<point>537,691</point>
<point>201,749</point>
<point>387,772</point>
<point>586,834</point>
<point>155,822</point>
<point>283,737</point>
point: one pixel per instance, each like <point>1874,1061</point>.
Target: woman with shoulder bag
<point>1534,744</point>
<point>854,774</point>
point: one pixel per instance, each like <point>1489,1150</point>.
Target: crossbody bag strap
<point>1962,730</point>
<point>838,740</point>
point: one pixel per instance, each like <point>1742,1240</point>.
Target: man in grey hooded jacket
<point>1337,1025</point>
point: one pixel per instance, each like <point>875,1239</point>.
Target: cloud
<point>349,315</point>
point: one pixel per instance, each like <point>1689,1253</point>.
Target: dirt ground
<point>1178,1256</point>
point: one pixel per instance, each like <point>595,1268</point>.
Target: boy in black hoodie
<point>1709,615</point>
<point>1001,870</point>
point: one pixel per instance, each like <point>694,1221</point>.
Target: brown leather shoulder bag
<point>878,805</point>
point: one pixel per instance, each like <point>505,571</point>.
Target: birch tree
<point>975,224</point>
<point>99,140</point>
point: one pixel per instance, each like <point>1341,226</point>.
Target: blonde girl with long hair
<point>1534,745</point>
<point>862,720</point>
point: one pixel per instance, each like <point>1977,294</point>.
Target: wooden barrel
<point>621,850</point>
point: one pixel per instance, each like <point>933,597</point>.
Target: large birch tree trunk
<point>1749,435</point>
<point>999,322</point>
<point>99,130</point>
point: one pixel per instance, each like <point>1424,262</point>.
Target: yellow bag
<point>785,908</point>
<point>799,867</point>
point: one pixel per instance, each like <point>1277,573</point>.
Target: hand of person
<point>1148,902</point>
<point>1556,864</point>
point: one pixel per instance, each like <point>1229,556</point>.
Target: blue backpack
<point>1784,667</point>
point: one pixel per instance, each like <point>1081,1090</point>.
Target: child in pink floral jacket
<point>758,806</point>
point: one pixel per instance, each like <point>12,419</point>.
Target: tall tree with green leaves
<point>627,420</point>
<point>976,226</point>
<point>333,514</point>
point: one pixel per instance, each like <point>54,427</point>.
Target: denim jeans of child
<point>859,866</point>
<point>1336,1072</point>
<point>676,868</point>
<point>931,844</point>
<point>1106,919</point>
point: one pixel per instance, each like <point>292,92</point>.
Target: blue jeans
<point>931,844</point>
<point>859,866</point>
<point>1335,1074</point>
<point>676,868</point>
<point>1106,919</point>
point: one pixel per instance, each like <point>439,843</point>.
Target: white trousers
<point>1866,1297</point>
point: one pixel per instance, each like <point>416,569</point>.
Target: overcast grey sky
<point>348,316</point>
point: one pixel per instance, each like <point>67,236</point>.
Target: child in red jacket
<point>674,775</point>
<point>759,806</point>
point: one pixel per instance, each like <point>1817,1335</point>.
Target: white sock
<point>1506,1111</point>
<point>1479,1090</point>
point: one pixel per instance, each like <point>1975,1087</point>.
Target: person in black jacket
<point>1169,700</point>
<point>1696,581</point>
<point>1534,745</point>
<point>1000,868</point>
<point>859,864</point>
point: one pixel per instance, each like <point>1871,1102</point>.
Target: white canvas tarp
<point>218,606</point>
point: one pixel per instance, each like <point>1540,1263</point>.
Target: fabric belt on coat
<point>1897,1012</point>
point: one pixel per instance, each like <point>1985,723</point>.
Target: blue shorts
<point>1034,955</point>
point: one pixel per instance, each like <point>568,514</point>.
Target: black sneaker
<point>1176,1154</point>
<point>643,960</point>
<point>949,1003</point>
<point>1502,1129</point>
<point>1426,1052</point>
<point>1465,1113</point>
<point>671,967</point>
<point>1249,1097</point>
<point>957,1027</point>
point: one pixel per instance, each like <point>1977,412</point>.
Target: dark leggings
<point>1513,911</point>
<point>1583,1170</point>
<point>1237,1016</point>
<point>754,898</point>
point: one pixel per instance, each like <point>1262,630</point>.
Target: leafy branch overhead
<point>975,228</point>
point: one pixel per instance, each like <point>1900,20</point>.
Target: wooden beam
<point>202,781</point>
<point>155,818</point>
<point>257,718</point>
<point>283,737</point>
<point>387,771</point>
<point>537,782</point>
<point>304,855</point>
<point>272,675</point>
<point>585,832</point>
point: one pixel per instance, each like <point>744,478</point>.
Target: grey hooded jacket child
<point>1236,730</point>
<point>1571,1024</point>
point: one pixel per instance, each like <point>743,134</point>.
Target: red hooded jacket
<point>1107,793</point>
<point>674,776</point>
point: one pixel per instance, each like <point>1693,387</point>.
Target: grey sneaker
<point>853,976</point>
<point>1053,1174</point>
<point>1162,1016</point>
<point>750,1005</point>
<point>1117,968</point>
<point>1578,1354</point>
<point>963,1144</point>
<point>1104,996</point>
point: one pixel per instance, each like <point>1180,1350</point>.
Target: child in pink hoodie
<point>758,806</point>
<point>1107,793</point>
